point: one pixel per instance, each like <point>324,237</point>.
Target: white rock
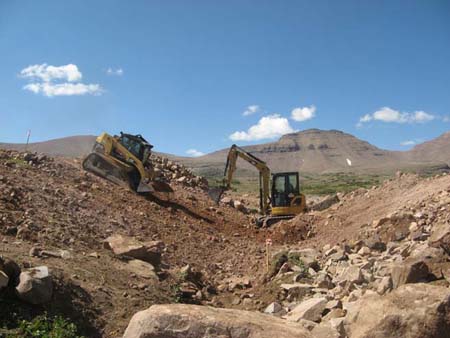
<point>310,309</point>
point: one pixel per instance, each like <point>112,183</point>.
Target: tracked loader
<point>125,161</point>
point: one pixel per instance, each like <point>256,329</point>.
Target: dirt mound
<point>396,199</point>
<point>53,205</point>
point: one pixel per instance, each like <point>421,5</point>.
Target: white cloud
<point>48,73</point>
<point>268,127</point>
<point>303,113</point>
<point>112,71</point>
<point>421,116</point>
<point>194,152</point>
<point>390,115</point>
<point>408,143</point>
<point>251,110</point>
<point>57,81</point>
<point>63,89</point>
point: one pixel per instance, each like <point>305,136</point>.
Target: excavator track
<point>101,166</point>
<point>268,221</point>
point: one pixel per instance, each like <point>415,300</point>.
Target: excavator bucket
<point>216,193</point>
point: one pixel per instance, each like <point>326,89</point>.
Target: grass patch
<point>339,182</point>
<point>43,326</point>
<point>19,162</point>
<point>285,257</point>
<point>310,184</point>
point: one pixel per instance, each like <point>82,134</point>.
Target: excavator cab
<point>285,187</point>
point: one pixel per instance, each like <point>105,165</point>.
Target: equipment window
<point>280,184</point>
<point>134,147</point>
<point>292,186</point>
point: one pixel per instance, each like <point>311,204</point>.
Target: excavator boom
<point>285,200</point>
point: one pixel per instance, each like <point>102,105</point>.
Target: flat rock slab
<point>310,309</point>
<point>130,247</point>
<point>194,321</point>
<point>139,268</point>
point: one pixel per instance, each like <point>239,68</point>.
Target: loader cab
<point>137,145</point>
<point>285,188</point>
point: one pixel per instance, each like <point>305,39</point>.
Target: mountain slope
<point>309,151</point>
<point>72,146</point>
<point>437,149</point>
<point>321,151</point>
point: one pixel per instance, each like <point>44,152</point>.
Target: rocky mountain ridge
<point>311,151</point>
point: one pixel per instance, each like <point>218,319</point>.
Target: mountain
<point>72,146</point>
<point>326,151</point>
<point>437,149</point>
<point>309,151</point>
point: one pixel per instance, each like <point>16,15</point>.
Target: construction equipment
<point>125,160</point>
<point>279,193</point>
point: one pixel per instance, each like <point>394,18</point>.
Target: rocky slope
<point>373,264</point>
<point>54,214</point>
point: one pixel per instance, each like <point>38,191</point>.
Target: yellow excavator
<point>279,193</point>
<point>125,160</point>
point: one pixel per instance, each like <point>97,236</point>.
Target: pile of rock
<point>176,172</point>
<point>236,204</point>
<point>327,289</point>
<point>33,285</point>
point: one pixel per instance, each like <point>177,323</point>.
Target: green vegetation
<point>43,327</point>
<point>282,257</point>
<point>247,182</point>
<point>338,182</point>
<point>311,184</point>
<point>18,162</point>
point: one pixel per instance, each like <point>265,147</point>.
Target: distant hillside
<point>437,149</point>
<point>311,151</point>
<point>326,151</point>
<point>72,146</point>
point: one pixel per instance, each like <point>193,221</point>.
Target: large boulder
<point>440,237</point>
<point>35,285</point>
<point>411,311</point>
<point>310,309</point>
<point>409,271</point>
<point>126,246</point>
<point>194,321</point>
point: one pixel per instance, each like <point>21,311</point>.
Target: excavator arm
<point>264,174</point>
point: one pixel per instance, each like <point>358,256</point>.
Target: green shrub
<point>45,327</point>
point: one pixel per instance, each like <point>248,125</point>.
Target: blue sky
<point>183,73</point>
